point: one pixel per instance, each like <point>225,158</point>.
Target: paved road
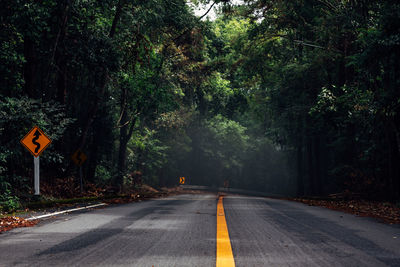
<point>269,232</point>
<point>181,231</point>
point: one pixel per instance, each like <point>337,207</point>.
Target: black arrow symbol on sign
<point>79,158</point>
<point>36,134</point>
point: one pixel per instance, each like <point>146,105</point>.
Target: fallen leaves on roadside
<point>10,222</point>
<point>133,197</point>
<point>385,211</point>
<point>145,192</point>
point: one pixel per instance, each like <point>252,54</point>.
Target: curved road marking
<point>224,249</point>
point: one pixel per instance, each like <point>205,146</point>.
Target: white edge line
<point>64,211</point>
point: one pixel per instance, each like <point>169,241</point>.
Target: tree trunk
<point>300,178</point>
<point>93,156</point>
<point>93,111</point>
<point>317,165</point>
<point>57,61</point>
<point>393,182</point>
<point>126,131</point>
<point>123,142</point>
<point>122,155</point>
<point>61,94</point>
<point>310,165</point>
<point>29,68</point>
<point>300,156</point>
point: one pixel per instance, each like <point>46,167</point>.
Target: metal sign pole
<point>37,185</point>
<point>81,178</point>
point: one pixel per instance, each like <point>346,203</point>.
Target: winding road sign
<point>79,157</point>
<point>35,141</point>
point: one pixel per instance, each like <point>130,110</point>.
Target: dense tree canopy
<point>289,97</point>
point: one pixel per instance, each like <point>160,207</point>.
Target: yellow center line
<point>224,249</point>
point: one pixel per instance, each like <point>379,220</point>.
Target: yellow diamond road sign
<point>79,157</point>
<point>181,180</point>
<point>35,141</point>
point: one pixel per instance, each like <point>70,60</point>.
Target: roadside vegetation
<point>298,98</point>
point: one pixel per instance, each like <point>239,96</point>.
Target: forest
<point>292,97</point>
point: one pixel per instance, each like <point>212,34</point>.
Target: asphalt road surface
<point>182,231</point>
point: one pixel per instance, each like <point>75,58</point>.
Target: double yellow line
<point>224,249</point>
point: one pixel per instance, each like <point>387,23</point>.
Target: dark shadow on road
<point>312,229</point>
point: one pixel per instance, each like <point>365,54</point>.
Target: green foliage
<point>147,154</point>
<point>18,116</point>
<point>104,174</point>
<point>8,201</point>
<point>324,88</point>
<point>147,87</point>
<point>226,139</point>
<point>220,146</point>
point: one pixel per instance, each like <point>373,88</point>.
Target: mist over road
<point>182,231</point>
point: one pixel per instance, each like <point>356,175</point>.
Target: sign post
<point>81,178</point>
<point>79,158</point>
<point>37,183</point>
<point>36,142</point>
